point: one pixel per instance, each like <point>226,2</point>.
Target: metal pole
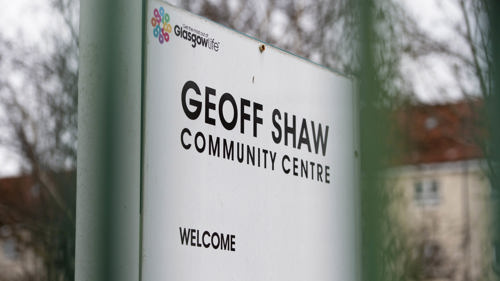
<point>109,141</point>
<point>373,125</point>
<point>493,116</point>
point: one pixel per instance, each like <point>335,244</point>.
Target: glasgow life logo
<point>161,25</point>
<point>196,37</point>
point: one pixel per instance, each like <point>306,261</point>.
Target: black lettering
<point>295,166</point>
<point>215,240</point>
<point>243,115</point>
<point>224,243</point>
<point>273,157</point>
<point>304,136</point>
<point>233,242</point>
<point>304,167</point>
<point>251,155</point>
<point>184,235</point>
<point>320,172</point>
<point>198,136</point>
<point>287,171</point>
<point>206,245</point>
<point>318,138</point>
<point>209,105</point>
<point>265,157</point>
<point>276,134</point>
<point>256,119</point>
<point>312,169</point>
<point>185,131</point>
<point>204,42</point>
<point>290,130</point>
<point>228,125</point>
<point>258,157</point>
<point>327,174</point>
<point>198,244</point>
<point>239,156</point>
<point>228,149</point>
<point>193,237</point>
<point>197,104</point>
<point>213,146</point>
<point>214,235</point>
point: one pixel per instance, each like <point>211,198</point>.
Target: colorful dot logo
<point>161,27</point>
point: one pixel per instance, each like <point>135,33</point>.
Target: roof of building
<point>19,198</point>
<point>441,133</point>
<point>23,197</point>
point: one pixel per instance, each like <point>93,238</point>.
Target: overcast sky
<point>26,21</point>
<point>434,80</point>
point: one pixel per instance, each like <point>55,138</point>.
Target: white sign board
<point>249,158</point>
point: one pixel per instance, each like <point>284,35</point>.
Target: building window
<point>426,192</point>
<point>432,259</point>
<point>35,190</point>
<point>10,249</point>
<point>431,123</point>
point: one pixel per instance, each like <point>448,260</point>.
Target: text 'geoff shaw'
<point>247,116</point>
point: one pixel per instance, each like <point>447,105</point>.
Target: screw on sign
<point>161,26</point>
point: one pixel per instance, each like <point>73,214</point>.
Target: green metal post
<point>373,146</point>
<point>109,141</point>
<point>493,115</point>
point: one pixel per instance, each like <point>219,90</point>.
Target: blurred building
<point>441,191</point>
<point>441,198</point>
<point>36,236</point>
<point>19,205</point>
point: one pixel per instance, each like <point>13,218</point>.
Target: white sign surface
<point>249,158</point>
